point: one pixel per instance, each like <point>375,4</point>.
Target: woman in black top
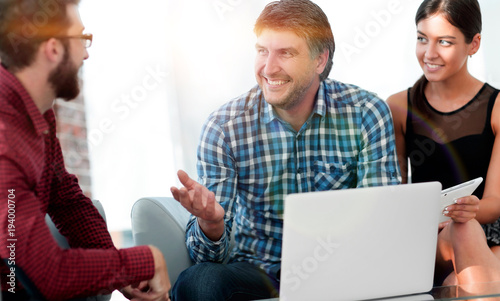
<point>447,125</point>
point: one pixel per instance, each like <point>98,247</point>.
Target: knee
<point>197,282</point>
<point>469,231</point>
<point>468,237</point>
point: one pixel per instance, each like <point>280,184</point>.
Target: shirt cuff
<point>138,263</point>
<point>207,241</point>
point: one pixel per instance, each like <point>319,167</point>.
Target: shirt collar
<point>320,105</point>
<point>268,113</point>
<point>40,124</point>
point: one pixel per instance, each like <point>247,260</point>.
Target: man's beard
<point>64,79</point>
<point>293,97</point>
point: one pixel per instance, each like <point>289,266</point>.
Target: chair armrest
<point>161,221</point>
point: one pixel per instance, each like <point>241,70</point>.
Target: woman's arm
<point>489,206</point>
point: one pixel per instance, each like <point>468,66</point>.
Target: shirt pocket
<point>337,175</point>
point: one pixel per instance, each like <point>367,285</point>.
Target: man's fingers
<point>210,209</point>
<point>149,296</point>
<point>142,285</point>
<point>127,292</point>
<point>197,202</point>
<point>175,193</point>
<point>197,199</point>
<point>185,199</point>
<point>185,179</point>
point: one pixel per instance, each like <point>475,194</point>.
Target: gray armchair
<point>161,221</point>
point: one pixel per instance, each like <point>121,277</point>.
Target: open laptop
<point>361,243</point>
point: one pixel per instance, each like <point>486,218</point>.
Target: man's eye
<point>261,51</point>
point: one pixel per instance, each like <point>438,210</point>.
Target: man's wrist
<point>212,230</point>
<point>159,260</point>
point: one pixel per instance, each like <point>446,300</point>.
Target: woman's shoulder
<point>398,97</point>
<point>399,105</point>
<point>495,115</point>
<point>398,102</point>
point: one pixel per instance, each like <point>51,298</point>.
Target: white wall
<point>204,51</point>
<point>127,86</point>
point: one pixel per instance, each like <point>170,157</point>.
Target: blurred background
<point>157,68</point>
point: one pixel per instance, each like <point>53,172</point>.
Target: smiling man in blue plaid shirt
<point>297,131</point>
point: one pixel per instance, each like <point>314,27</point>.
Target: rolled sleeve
<point>202,249</point>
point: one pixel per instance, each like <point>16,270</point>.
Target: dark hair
<point>306,20</point>
<point>25,24</point>
<point>463,14</point>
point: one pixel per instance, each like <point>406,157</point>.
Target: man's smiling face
<point>284,68</point>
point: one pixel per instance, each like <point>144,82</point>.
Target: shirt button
<point>45,132</point>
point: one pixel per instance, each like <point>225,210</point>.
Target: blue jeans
<point>215,281</point>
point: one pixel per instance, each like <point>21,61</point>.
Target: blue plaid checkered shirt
<point>251,160</point>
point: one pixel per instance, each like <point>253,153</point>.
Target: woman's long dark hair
<point>463,14</point>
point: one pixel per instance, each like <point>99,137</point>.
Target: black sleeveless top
<point>451,147</point>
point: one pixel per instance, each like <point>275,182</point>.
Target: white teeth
<point>276,83</point>
<point>432,66</point>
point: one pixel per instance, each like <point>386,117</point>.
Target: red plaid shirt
<point>33,182</point>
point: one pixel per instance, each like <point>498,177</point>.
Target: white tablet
<point>449,195</point>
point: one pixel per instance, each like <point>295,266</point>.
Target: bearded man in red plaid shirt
<point>42,47</point>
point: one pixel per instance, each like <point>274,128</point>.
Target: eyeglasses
<point>85,38</point>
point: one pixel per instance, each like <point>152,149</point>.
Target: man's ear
<point>52,50</point>
<point>322,59</point>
